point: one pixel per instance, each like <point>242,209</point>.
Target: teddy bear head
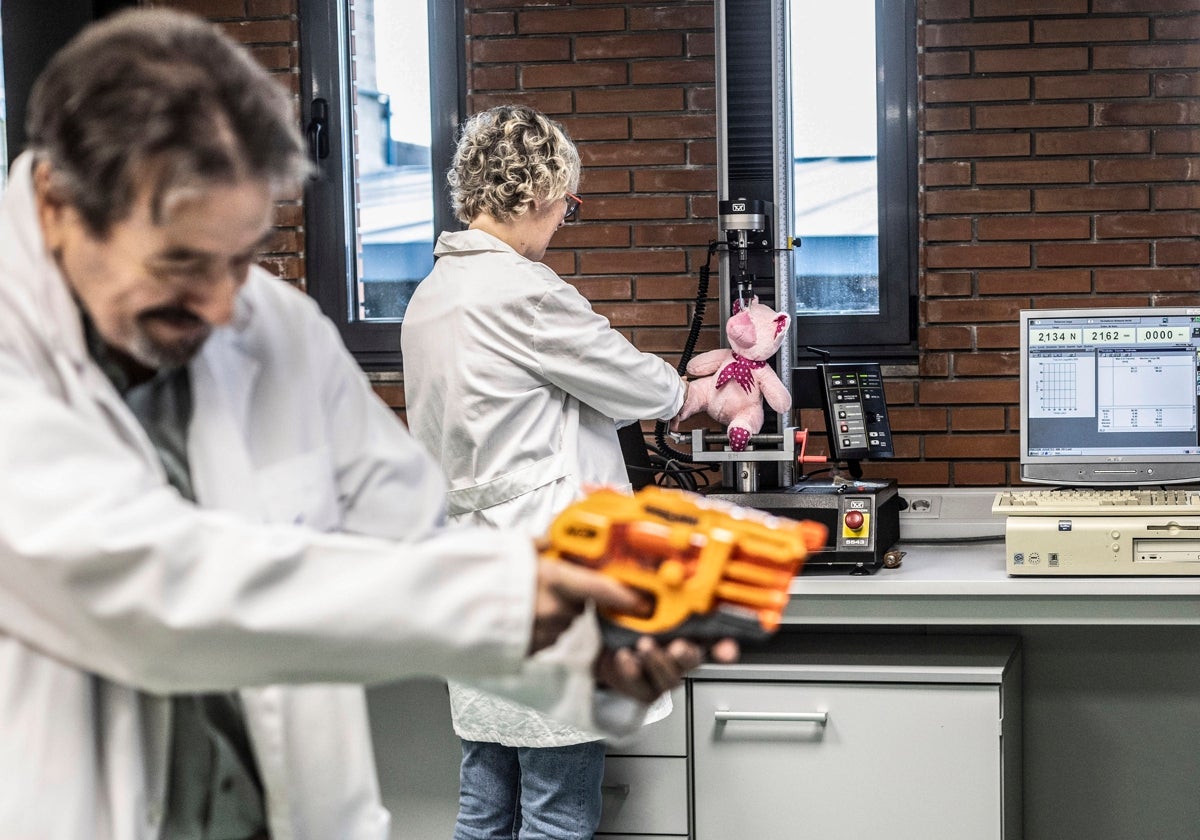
<point>756,331</point>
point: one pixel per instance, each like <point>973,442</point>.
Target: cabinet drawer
<point>663,737</point>
<point>887,760</point>
<point>644,795</point>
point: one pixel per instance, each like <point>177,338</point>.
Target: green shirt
<point>214,791</point>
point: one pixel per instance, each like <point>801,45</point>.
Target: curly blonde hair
<point>507,157</point>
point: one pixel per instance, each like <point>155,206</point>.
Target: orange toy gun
<point>714,569</point>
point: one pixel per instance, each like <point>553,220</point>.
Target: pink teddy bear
<point>737,379</point>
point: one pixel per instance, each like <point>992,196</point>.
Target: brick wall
<point>1060,165</point>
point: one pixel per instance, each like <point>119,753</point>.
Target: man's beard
<point>157,354</point>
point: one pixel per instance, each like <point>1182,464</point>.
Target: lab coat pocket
<point>301,490</point>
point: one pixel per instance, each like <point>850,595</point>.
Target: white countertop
<point>966,583</point>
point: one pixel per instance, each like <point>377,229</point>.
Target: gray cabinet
<point>849,738</point>
<point>645,785</point>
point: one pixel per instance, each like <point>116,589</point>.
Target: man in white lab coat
<point>199,493</point>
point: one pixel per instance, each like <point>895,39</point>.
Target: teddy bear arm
<point>774,392</point>
<point>707,362</point>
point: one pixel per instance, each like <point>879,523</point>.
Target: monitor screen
<point>1109,396</point>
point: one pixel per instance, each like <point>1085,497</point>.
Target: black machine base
<point>863,518</point>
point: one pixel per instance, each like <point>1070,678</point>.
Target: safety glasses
<point>574,202</point>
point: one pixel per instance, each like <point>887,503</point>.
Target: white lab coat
<point>512,381</point>
<point>114,591</point>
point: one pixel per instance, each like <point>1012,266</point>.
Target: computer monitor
<point>1109,396</point>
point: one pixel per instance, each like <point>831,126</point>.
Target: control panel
<point>857,412</point>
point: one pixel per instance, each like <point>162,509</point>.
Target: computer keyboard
<point>1098,501</point>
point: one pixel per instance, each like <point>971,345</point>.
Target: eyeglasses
<point>574,202</point>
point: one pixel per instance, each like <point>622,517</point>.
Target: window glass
<point>835,188</point>
<point>393,183</point>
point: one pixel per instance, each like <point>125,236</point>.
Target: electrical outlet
<point>949,513</point>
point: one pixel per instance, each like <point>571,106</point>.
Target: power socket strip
<point>949,513</point>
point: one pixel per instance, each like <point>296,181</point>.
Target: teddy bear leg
<point>738,438</point>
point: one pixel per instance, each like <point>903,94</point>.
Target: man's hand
<point>648,670</point>
<point>562,591</point>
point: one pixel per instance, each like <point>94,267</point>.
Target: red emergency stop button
<point>854,519</point>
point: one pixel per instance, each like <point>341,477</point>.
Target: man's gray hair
<point>160,94</point>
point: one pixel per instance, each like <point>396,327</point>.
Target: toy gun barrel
<point>712,568</point>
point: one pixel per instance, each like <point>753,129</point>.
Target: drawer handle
<point>614,790</point>
<point>821,718</point>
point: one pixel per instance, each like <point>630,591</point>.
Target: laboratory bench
<point>1102,673</point>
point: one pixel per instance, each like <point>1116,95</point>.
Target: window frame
<point>329,250</point>
<point>755,160</point>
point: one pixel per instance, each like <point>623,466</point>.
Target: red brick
<point>642,261</point>
<point>969,474</point>
<point>1032,60</point>
<point>1091,30</point>
<point>672,16</point>
<point>673,126</point>
<point>946,9</point>
<point>553,102</point>
<point>574,74</point>
<point>699,44</point>
<point>986,364</point>
<point>1148,280</point>
<point>976,256</point>
<point>636,207</point>
<point>948,174</point>
<point>1177,28</point>
<point>1093,253</point>
<point>1092,142</point>
<point>976,90</point>
<point>912,474</point>
<point>491,23</point>
<point>1052,199</point>
<point>945,338</point>
<point>933,364</point>
<point>977,201</point>
<point>946,283</point>
<point>494,77</point>
<point>518,50</point>
<point>633,154</point>
<point>918,419</point>
<point>1004,335</point>
<point>1034,282</point>
<point>969,391</point>
<point>1092,86</point>
<point>1161,56</point>
<point>1148,113</point>
<point>1178,253</point>
<point>653,45</point>
<point>628,100</point>
<point>977,145</point>
<point>675,180</point>
<point>945,119</point>
<point>1013,8</point>
<point>590,235</point>
<point>1177,84</point>
<point>1031,116</point>
<point>1034,227</point>
<point>974,34</point>
<point>672,72</point>
<point>950,311</point>
<point>945,63</point>
<point>980,419</point>
<point>263,31</point>
<point>948,230</point>
<point>211,9</point>
<point>1158,169</point>
<point>1147,225</point>
<point>604,288</point>
<point>667,287</point>
<point>1177,197</point>
<point>692,233</point>
<point>603,180</point>
<point>643,314</point>
<point>596,128</point>
<point>570,20</point>
<point>1032,172</point>
<point>701,98</point>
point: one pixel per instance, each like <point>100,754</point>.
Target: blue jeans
<point>529,793</point>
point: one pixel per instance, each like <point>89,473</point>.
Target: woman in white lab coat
<point>514,384</point>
